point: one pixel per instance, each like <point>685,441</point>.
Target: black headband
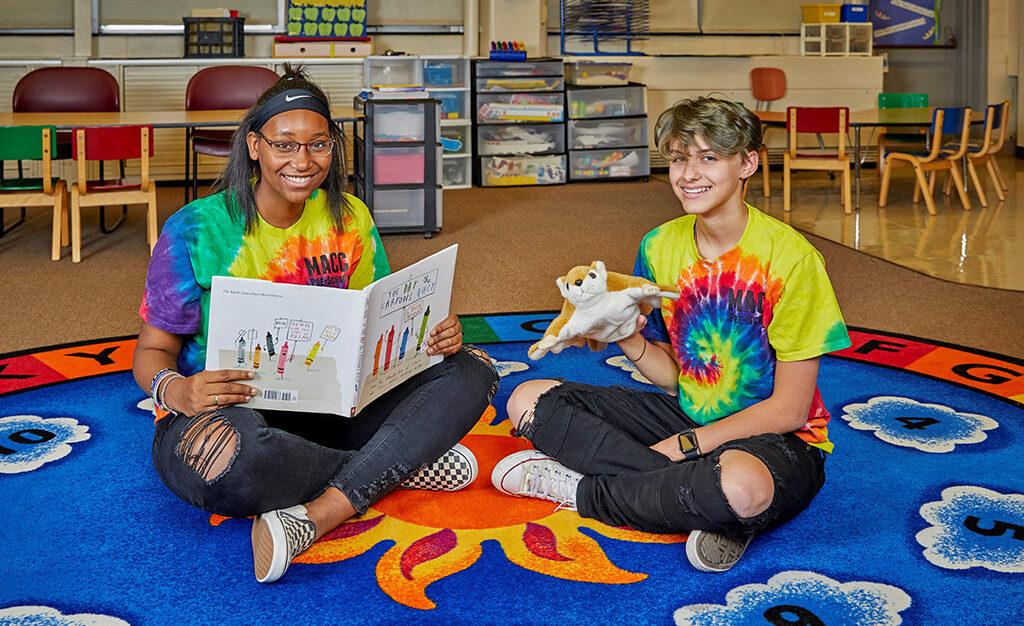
<point>290,100</point>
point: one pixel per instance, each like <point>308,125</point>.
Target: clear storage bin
<point>393,70</point>
<point>454,104</point>
<point>593,134</point>
<point>398,166</point>
<point>537,83</point>
<point>589,73</point>
<point>539,107</point>
<point>455,135</point>
<point>456,172</point>
<point>398,122</point>
<point>520,139</point>
<point>529,68</point>
<point>607,102</point>
<point>622,163</point>
<point>529,170</point>
<point>444,72</point>
<point>398,207</point>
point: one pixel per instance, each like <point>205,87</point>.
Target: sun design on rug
<point>438,534</point>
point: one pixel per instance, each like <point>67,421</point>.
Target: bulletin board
<point>326,18</point>
<point>905,22</point>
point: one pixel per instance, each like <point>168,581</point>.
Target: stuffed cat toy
<point>600,307</point>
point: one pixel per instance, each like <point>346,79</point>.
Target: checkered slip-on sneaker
<point>453,471</point>
<point>277,538</point>
<point>715,552</point>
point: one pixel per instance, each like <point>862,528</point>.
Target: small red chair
<point>109,143</point>
<point>817,120</point>
<point>767,84</point>
<point>216,89</point>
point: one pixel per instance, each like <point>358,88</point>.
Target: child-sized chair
<point>817,120</point>
<point>899,138</point>
<point>945,121</point>
<point>111,143</point>
<point>31,143</point>
<point>996,118</point>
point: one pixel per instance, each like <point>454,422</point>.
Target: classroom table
<point>156,119</point>
<point>916,117</point>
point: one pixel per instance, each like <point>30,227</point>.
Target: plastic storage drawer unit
<point>506,171</point>
<point>540,107</point>
<point>527,68</point>
<point>444,72</point>
<point>400,207</point>
<point>594,134</point>
<point>398,166</point>
<point>622,163</point>
<point>587,73</point>
<point>520,139</point>
<point>456,172</point>
<point>453,103</point>
<point>607,102</point>
<point>398,122</point>
<point>391,70</point>
<point>538,83</point>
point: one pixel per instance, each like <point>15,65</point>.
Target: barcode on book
<point>281,395</point>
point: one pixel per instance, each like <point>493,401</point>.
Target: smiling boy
<point>736,443</point>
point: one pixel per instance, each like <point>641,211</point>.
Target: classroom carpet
<point>921,520</point>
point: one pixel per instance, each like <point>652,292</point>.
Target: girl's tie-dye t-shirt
<point>203,240</point>
<point>766,299</point>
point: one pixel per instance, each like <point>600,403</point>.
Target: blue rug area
<point>921,520</point>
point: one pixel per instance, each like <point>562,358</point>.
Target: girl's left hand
<point>446,337</point>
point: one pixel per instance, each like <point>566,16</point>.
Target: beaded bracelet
<point>157,379</point>
<point>163,390</point>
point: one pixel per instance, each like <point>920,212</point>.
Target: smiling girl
<point>280,213</point>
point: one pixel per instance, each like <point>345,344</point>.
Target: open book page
<point>301,341</point>
<point>402,309</point>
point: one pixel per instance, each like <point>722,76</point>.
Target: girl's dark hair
<point>240,170</point>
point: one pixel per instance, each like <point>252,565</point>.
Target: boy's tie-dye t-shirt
<point>203,240</point>
<point>766,299</point>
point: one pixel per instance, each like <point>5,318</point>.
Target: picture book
<point>329,350</point>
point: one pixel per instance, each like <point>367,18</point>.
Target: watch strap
<point>688,444</point>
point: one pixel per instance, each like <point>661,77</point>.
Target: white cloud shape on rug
<point>148,405</point>
<point>912,424</point>
<point>624,364</point>
<point>795,597</point>
<point>53,617</point>
<point>975,527</point>
<point>507,367</point>
<point>29,441</point>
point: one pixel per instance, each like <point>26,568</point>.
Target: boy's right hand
<point>209,389</point>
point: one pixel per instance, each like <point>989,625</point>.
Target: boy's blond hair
<point>728,128</point>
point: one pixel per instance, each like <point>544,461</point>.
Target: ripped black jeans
<point>278,459</point>
<point>604,433</point>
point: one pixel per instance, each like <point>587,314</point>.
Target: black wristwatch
<point>688,444</point>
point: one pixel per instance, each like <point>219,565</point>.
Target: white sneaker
<point>453,471</point>
<point>277,538</point>
<point>533,474</point>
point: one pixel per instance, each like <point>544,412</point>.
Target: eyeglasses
<point>317,148</point>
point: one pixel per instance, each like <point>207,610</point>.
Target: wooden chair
<point>23,143</point>
<point>895,135</point>
<point>213,89</point>
<point>996,118</point>
<point>767,84</point>
<point>817,120</point>
<point>69,89</point>
<point>945,121</point>
<point>111,143</point>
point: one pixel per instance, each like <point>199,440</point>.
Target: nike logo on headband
<point>290,98</point>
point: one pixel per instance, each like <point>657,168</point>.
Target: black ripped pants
<point>604,433</point>
<point>286,458</point>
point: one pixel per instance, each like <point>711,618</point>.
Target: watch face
<point>687,441</point>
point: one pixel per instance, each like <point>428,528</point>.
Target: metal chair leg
<point>106,230</point>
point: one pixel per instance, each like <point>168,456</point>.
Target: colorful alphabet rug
<point>921,519</point>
